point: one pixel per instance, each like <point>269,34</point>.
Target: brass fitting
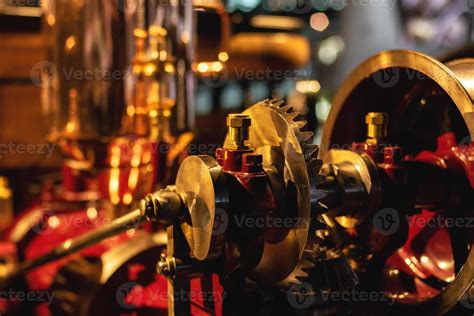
<point>377,124</point>
<point>166,266</point>
<point>238,127</point>
<point>6,204</point>
<point>162,206</point>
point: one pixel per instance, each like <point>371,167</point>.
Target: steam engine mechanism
<point>377,219</point>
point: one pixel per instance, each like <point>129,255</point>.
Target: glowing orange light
<point>319,21</point>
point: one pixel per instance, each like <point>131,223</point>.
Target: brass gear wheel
<point>277,134</point>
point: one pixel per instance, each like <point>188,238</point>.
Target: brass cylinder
<point>377,124</point>
<point>238,130</point>
<point>96,49</point>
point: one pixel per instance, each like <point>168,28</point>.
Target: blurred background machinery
<point>294,45</point>
<point>117,98</point>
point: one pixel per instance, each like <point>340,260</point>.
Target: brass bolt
<point>166,266</point>
<point>238,127</point>
<point>377,124</point>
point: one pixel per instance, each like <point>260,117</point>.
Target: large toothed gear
<point>316,256</point>
<point>322,267</point>
<point>309,150</point>
<point>287,150</point>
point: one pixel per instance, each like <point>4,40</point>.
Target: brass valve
<point>377,124</point>
<point>238,131</point>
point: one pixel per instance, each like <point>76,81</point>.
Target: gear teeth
<point>308,265</point>
<point>314,166</point>
<point>319,179</point>
<point>276,102</point>
<point>300,124</point>
<point>302,271</point>
<point>322,207</point>
<point>319,248</point>
<point>265,102</point>
<point>302,278</point>
<point>319,208</point>
<point>318,224</point>
<point>322,233</point>
<point>286,108</point>
<point>316,241</point>
<point>311,151</point>
<point>305,137</point>
<point>292,115</point>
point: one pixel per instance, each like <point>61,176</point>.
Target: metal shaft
<point>161,206</point>
<point>119,225</point>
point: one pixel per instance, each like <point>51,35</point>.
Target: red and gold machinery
<point>378,219</point>
<point>117,92</point>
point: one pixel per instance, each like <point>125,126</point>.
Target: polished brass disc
<point>200,184</point>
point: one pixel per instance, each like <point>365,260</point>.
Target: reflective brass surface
<point>201,186</point>
<point>275,135</point>
<point>238,130</point>
<point>358,179</point>
<point>417,67</point>
<point>117,68</point>
<point>408,75</point>
<point>377,124</point>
